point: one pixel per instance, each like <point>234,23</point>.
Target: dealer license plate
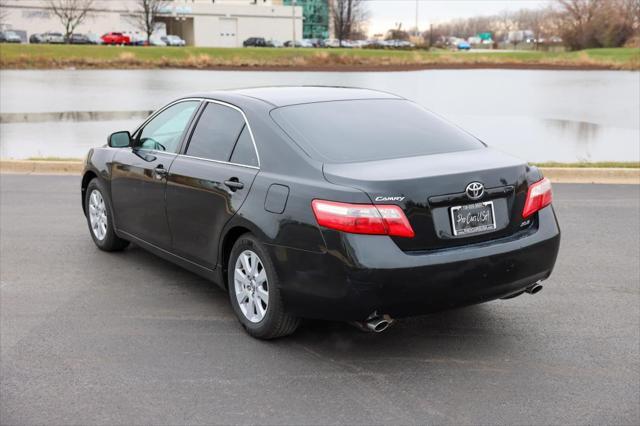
<point>473,218</point>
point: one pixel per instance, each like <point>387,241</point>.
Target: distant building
<point>316,17</point>
<point>219,23</point>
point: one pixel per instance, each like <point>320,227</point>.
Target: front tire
<point>254,291</point>
<point>99,218</point>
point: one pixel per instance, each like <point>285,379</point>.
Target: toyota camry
<point>327,203</point>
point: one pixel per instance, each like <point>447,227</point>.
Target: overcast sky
<point>385,13</point>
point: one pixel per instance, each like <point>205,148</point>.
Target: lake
<point>537,115</point>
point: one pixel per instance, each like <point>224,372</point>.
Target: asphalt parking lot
<point>89,337</point>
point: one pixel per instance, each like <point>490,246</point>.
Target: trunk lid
<point>427,187</point>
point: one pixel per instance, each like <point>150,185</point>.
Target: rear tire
<point>254,291</point>
<point>98,211</point>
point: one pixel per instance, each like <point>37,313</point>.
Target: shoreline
<point>334,68</point>
<point>564,174</point>
<point>48,57</point>
<point>71,65</point>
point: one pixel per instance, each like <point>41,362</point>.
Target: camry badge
<point>381,198</point>
<point>475,190</point>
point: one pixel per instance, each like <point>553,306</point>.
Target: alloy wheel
<point>251,286</point>
<point>97,215</point>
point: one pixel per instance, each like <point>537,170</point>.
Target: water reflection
<point>537,115</point>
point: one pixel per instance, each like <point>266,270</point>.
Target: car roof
<point>292,95</point>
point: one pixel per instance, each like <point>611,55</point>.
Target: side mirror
<point>119,139</point>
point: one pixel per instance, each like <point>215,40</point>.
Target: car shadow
<point>444,335</point>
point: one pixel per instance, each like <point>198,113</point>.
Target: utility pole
<point>416,30</point>
<point>293,19</point>
<point>430,36</point>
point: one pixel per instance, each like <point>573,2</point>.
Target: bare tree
<point>146,15</point>
<point>533,20</point>
<point>4,13</point>
<point>349,16</point>
<point>595,23</point>
<point>577,25</point>
<point>397,33</point>
<point>71,13</point>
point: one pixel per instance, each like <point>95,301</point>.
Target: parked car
<point>463,45</point>
<point>78,39</point>
<point>376,43</point>
<point>114,38</point>
<point>36,39</point>
<point>359,43</point>
<point>298,43</point>
<point>314,42</point>
<point>333,42</point>
<point>255,42</point>
<point>94,39</point>
<point>136,38</point>
<point>173,40</point>
<point>275,43</point>
<point>156,41</point>
<point>388,212</point>
<point>10,37</point>
<point>399,44</point>
<point>53,38</point>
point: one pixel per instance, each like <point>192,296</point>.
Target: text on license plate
<point>473,218</point>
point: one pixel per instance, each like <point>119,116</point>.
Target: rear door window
<point>216,133</point>
<point>244,151</point>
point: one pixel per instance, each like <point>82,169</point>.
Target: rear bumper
<point>359,274</point>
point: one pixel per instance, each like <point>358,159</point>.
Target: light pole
<point>293,19</point>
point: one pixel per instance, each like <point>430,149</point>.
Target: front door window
<point>164,131</point>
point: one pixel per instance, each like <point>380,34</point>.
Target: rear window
<point>368,130</point>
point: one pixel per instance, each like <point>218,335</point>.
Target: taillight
<point>362,218</point>
<point>539,196</point>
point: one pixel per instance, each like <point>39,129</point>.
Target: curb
<point>556,174</point>
<point>28,167</point>
<point>592,175</point>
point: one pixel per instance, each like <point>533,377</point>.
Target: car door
<point>139,174</point>
<point>207,185</point>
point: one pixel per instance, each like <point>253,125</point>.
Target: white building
<point>220,23</point>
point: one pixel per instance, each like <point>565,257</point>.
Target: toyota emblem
<point>475,190</point>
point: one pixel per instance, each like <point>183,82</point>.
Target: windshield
<point>368,130</point>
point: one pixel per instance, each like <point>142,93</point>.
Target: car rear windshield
<point>369,130</point>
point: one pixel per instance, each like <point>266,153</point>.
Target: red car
<point>115,38</point>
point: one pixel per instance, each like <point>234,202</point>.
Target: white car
<point>332,42</point>
<point>53,38</point>
<point>156,41</point>
<point>136,38</point>
<point>174,40</point>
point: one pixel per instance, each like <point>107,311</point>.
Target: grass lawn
<point>603,164</point>
<point>60,56</point>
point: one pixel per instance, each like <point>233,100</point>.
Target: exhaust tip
<point>378,327</point>
<point>375,323</point>
<point>536,288</point>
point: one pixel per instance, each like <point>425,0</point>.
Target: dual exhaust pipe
<point>375,323</point>
<point>532,289</point>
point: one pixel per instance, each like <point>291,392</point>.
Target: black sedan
<point>256,42</point>
<point>78,39</point>
<point>327,203</point>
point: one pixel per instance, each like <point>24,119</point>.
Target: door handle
<point>161,171</point>
<point>234,184</point>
